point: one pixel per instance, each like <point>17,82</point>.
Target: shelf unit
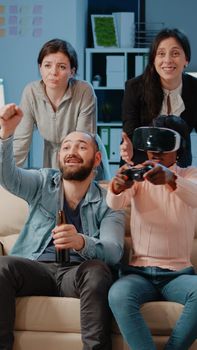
<point>110,134</point>
<point>127,53</point>
<point>114,66</point>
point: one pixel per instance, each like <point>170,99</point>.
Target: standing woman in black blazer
<point>162,89</point>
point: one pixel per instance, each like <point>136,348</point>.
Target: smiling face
<point>169,63</point>
<point>167,159</point>
<point>56,71</point>
<point>78,156</point>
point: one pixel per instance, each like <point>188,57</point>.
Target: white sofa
<point>53,323</point>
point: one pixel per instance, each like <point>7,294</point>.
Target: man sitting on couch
<point>93,233</point>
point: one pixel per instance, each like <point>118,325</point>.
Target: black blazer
<point>134,111</point>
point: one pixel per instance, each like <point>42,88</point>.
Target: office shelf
<point>112,67</point>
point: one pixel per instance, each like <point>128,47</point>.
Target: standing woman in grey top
<point>56,105</point>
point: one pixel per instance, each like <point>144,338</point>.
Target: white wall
<point>74,21</point>
<point>81,32</point>
<point>181,14</point>
<point>64,19</point>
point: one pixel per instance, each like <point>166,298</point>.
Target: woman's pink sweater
<point>162,221</point>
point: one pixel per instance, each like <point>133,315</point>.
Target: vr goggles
<point>156,139</point>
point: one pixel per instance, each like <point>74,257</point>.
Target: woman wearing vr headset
<point>163,89</point>
<point>163,207</point>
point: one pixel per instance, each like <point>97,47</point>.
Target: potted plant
<point>106,110</point>
<point>96,81</point>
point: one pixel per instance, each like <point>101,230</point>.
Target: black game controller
<point>136,173</point>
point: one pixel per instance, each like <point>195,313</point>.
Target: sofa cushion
<point>13,212</point>
<point>41,313</point>
<point>54,314</point>
<point>8,242</point>
<point>35,340</point>
<point>160,316</point>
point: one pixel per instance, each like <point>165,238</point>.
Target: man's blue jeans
<point>139,285</point>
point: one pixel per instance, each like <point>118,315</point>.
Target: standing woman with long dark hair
<point>163,89</point>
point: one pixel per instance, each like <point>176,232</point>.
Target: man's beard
<point>78,175</point>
